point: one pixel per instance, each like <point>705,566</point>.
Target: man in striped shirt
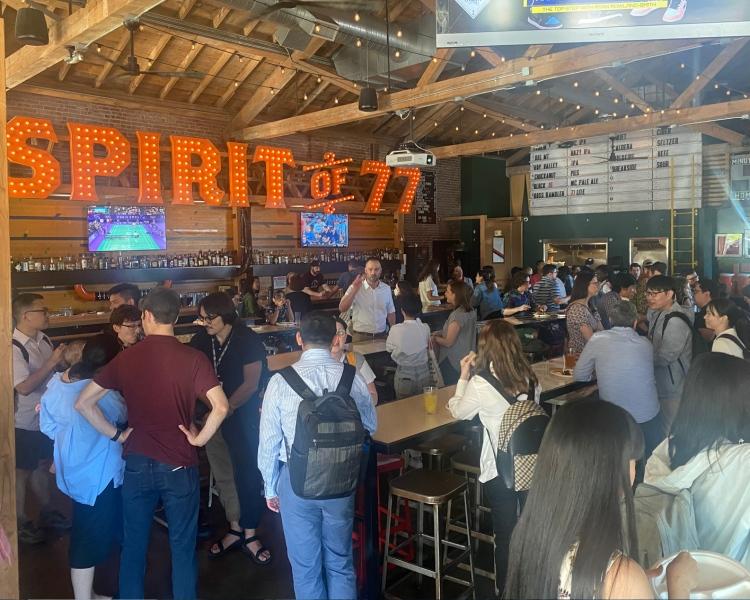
<point>318,533</point>
<point>550,291</point>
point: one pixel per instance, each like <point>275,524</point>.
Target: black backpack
<point>736,340</point>
<point>521,431</point>
<point>24,352</point>
<point>699,344</point>
<point>326,455</point>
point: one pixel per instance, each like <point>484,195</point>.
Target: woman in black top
<point>239,359</point>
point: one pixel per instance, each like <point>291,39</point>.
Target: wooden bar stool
<point>437,452</point>
<point>432,488</point>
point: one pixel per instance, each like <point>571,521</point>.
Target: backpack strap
<point>21,347</point>
<point>731,338</point>
<point>487,375</point>
<point>297,384</point>
<point>344,388</point>
<point>681,316</point>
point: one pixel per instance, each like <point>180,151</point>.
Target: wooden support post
<point>8,573</point>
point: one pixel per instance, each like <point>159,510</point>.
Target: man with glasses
<point>550,291</point>
<point>670,330</point>
<point>34,362</point>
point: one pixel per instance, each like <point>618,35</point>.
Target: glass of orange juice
<point>430,399</point>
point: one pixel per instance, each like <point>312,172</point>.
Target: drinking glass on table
<point>570,358</point>
<point>430,399</point>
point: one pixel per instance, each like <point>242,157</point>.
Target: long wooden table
<point>404,424</point>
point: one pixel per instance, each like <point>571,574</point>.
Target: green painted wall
<point>618,228</point>
<point>485,190</point>
<point>729,220</point>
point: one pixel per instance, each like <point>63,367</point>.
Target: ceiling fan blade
<point>189,74</point>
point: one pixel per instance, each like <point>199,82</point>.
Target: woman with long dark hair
<point>428,279</point>
<point>708,454</point>
<point>581,320</point>
<point>88,466</point>
<point>731,325</point>
<point>500,354</point>
<point>458,336</point>
<point>576,537</point>
<point>487,297</point>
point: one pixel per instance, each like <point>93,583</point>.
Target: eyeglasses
<point>207,318</point>
<point>39,310</point>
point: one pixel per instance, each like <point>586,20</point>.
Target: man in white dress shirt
<point>371,302</point>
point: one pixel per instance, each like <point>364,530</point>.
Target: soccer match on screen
<point>126,228</point>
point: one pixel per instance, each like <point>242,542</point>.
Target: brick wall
<point>447,204</point>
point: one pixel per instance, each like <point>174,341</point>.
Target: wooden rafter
<point>233,86</point>
<point>435,67</point>
<point>223,59</point>
<point>185,8</point>
<point>537,50</point>
<point>312,96</point>
<point>153,55</point>
<point>490,56</point>
<point>684,116</point>
<point>85,26</point>
<point>500,117</point>
<point>249,26</point>
<point>185,63</point>
<point>220,16</point>
<point>64,70</point>
<point>712,129</point>
<point>711,71</point>
<point>116,55</point>
<point>514,71</point>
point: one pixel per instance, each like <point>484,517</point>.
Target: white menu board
<point>647,169</point>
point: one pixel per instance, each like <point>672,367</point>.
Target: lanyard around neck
<point>216,361</point>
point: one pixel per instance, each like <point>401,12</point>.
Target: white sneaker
<point>642,12</point>
<point>674,14</point>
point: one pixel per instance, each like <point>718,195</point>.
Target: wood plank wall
<point>53,228</point>
<point>276,229</point>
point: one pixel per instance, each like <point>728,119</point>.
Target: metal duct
<point>339,26</point>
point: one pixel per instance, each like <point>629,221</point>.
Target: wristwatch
<point>117,435</point>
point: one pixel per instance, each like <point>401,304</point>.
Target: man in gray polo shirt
<point>371,302</point>
<point>623,363</point>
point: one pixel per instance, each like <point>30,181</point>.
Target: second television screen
<point>320,230</point>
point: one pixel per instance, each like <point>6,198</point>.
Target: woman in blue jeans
<point>88,466</point>
<point>238,357</point>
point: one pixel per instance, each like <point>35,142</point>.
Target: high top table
<point>404,424</point>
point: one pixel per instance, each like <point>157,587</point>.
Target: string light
<point>359,43</point>
<point>539,92</point>
<point>561,100</point>
<point>596,93</point>
<point>575,84</point>
<point>305,96</point>
<point>99,48</point>
<point>617,100</point>
<point>319,79</point>
<point>578,107</point>
<point>336,100</point>
<point>399,33</point>
<point>397,54</point>
<point>357,17</point>
<point>472,53</point>
<point>192,46</point>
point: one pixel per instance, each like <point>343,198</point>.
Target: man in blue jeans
<point>318,533</point>
<point>159,379</point>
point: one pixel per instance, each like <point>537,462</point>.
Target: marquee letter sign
<point>184,173</point>
<point>45,169</point>
<point>85,165</point>
<point>97,151</point>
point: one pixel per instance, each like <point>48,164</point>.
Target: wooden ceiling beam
<point>235,85</point>
<point>185,63</point>
<point>500,117</point>
<point>517,156</point>
<point>85,26</point>
<point>249,26</point>
<point>537,50</point>
<point>685,116</point>
<point>185,8</point>
<point>491,57</point>
<point>116,55</point>
<point>322,86</point>
<point>223,59</point>
<point>712,129</point>
<point>220,16</point>
<point>712,70</point>
<point>153,55</point>
<point>435,67</point>
<point>64,70</point>
<point>512,72</point>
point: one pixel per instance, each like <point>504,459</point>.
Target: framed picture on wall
<point>498,250</point>
<point>728,244</point>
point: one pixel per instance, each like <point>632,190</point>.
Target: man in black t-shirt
<point>239,360</point>
<point>315,283</point>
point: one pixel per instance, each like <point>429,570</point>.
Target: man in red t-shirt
<point>159,378</point>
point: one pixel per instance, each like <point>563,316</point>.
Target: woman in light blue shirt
<point>487,296</point>
<point>89,467</point>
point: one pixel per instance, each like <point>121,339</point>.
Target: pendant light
<point>31,27</point>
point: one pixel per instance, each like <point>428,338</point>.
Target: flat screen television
<point>321,230</point>
<point>510,22</point>
<point>126,228</point>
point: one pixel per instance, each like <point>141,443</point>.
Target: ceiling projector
<point>410,158</point>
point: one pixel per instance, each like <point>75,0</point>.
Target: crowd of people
<point>118,418</point>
